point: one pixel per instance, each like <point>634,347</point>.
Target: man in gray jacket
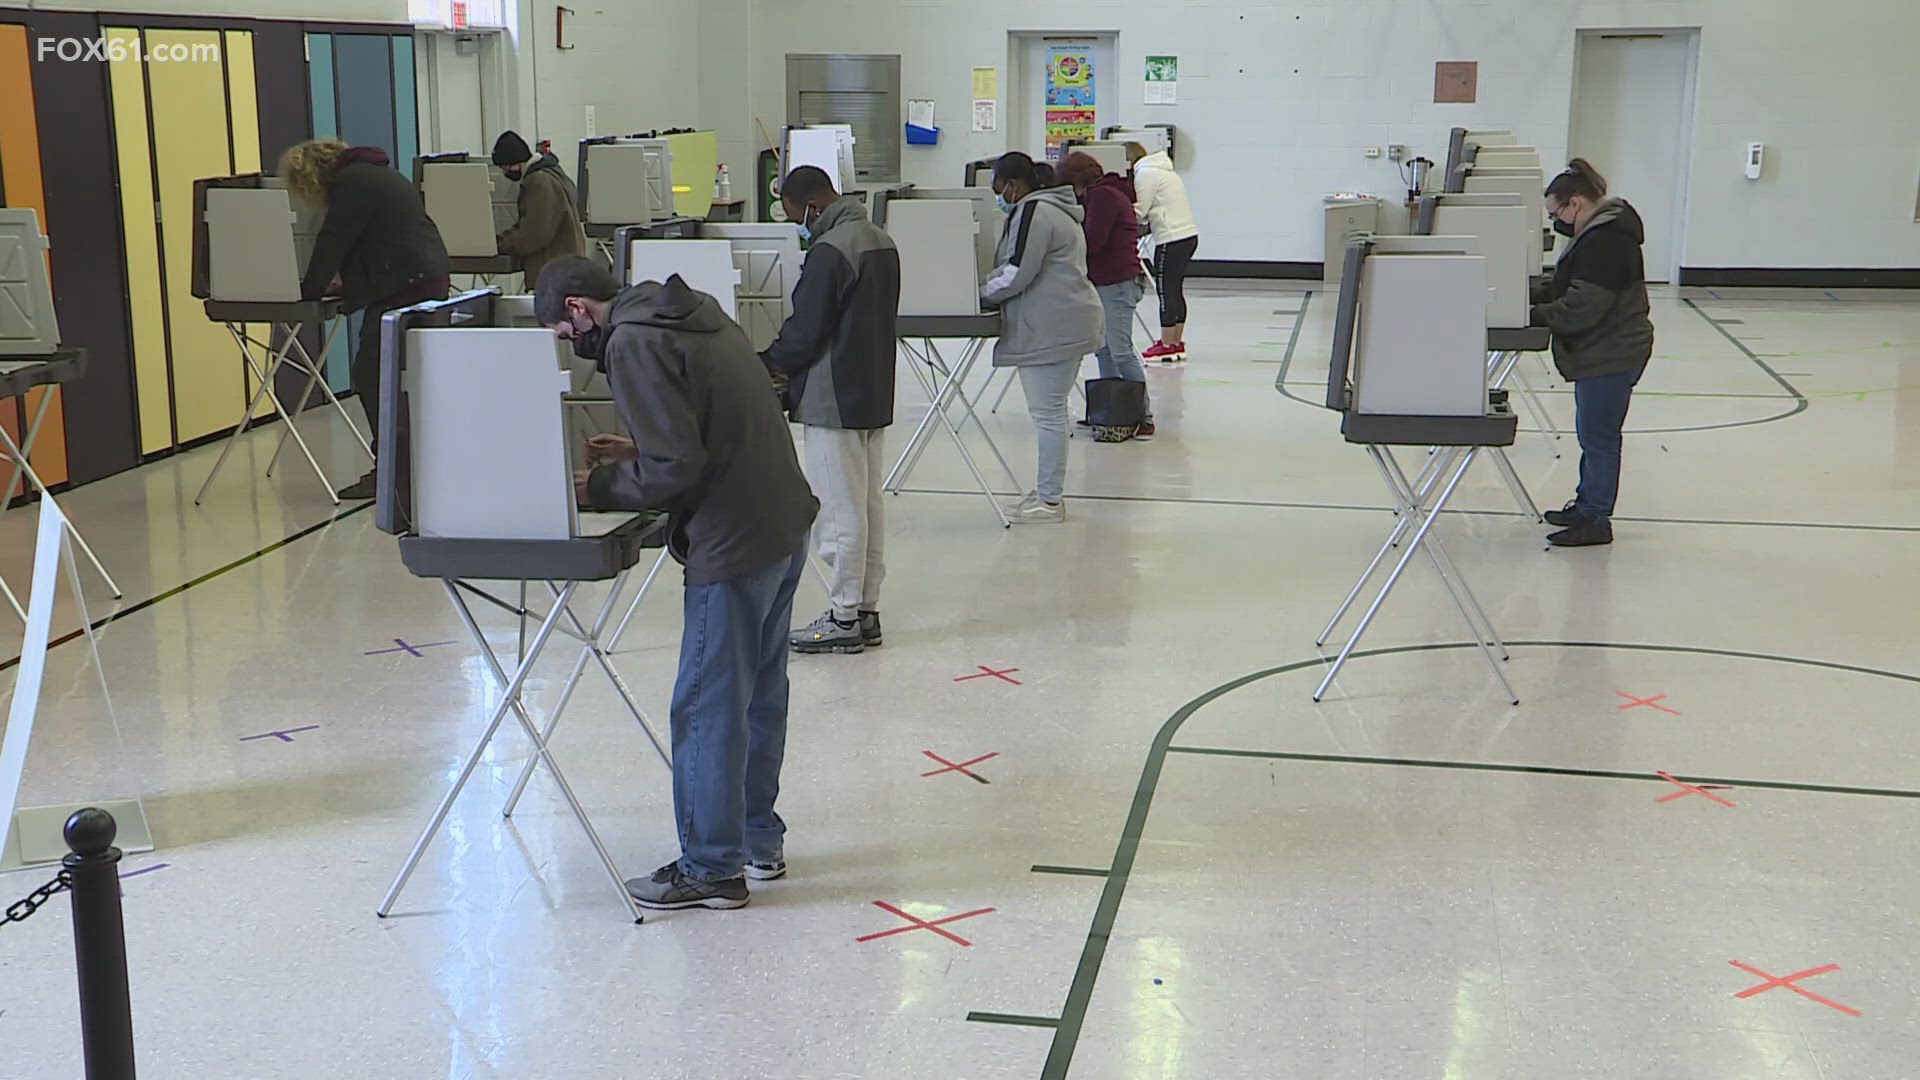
<point>837,352</point>
<point>709,447</point>
<point>1050,316</point>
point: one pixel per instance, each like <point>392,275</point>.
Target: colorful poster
<point>1163,80</point>
<point>1070,97</point>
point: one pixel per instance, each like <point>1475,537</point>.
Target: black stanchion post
<point>100,945</point>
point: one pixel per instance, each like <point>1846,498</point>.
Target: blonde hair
<point>308,167</point>
<point>1135,152</point>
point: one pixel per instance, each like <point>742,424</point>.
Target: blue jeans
<point>1118,358</point>
<point>1600,416</point>
<point>730,720</point>
<point>1047,388</point>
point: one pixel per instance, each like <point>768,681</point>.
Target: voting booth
<point>250,253</point>
<point>473,202</point>
<point>947,238</point>
<point>1505,226</point>
<point>624,180</point>
<point>766,261</point>
<point>827,147</point>
<point>476,483</point>
<point>1408,368</point>
<point>31,358</point>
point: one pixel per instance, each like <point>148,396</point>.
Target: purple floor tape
<point>283,736</point>
<point>144,870</point>
<point>411,650</point>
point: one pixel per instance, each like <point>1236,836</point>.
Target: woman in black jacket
<point>1597,308</point>
<point>377,251</point>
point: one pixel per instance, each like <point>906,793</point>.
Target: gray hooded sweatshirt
<point>1049,311</point>
<point>715,452</point>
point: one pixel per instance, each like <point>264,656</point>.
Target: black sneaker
<point>870,629</point>
<point>1566,517</point>
<point>364,488</point>
<point>827,634</point>
<point>1584,534</point>
<point>669,890</point>
<point>765,870</point>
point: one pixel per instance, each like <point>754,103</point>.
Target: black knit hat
<point>511,149</point>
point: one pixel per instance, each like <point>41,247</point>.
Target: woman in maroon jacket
<point>1113,262</point>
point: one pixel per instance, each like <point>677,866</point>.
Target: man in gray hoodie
<point>710,447</point>
<point>1050,316</point>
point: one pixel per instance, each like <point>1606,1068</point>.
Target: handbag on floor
<point>1115,408</point>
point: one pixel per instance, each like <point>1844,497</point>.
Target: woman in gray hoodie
<point>1050,316</point>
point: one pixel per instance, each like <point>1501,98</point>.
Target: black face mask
<point>592,345</point>
<point>1562,227</point>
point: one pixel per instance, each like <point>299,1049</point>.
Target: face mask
<point>591,344</point>
<point>1005,206</point>
<point>514,174</point>
<point>806,230</point>
<point>1562,227</point>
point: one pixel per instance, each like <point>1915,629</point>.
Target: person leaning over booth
<point>838,352</point>
<point>1596,305</point>
<point>1113,264</point>
<point>709,447</point>
<point>1050,317</point>
<point>1161,202</point>
<point>549,224</point>
<point>377,250</point>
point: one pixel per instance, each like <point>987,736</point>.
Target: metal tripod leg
<point>510,689</point>
<point>592,650</point>
<point>613,643</point>
<point>316,379</point>
<point>1418,540</point>
<point>22,466</point>
<point>1521,495</point>
<point>1450,575</point>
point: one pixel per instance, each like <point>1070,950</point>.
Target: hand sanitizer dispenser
<point>1756,154</point>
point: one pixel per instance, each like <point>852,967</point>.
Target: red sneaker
<point>1165,353</point>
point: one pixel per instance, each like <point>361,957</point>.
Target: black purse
<point>1116,408</point>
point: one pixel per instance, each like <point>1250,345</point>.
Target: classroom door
<point>1633,119</point>
<point>1060,79</point>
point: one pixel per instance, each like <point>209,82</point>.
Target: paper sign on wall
<point>986,82</point>
<point>1070,96</point>
<point>986,115</point>
<point>459,14</point>
<point>1163,80</point>
<point>1456,82</point>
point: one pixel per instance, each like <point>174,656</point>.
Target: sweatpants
<point>846,469</point>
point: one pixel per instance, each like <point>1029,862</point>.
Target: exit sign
<point>459,14</point>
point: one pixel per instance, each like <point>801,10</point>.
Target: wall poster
<point>1070,104</point>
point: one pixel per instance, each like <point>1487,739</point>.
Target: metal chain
<point>19,912</point>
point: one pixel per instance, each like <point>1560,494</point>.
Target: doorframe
<point>1690,97</point>
<point>1014,82</point>
<point>431,46</point>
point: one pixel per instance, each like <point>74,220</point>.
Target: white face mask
<point>806,230</point>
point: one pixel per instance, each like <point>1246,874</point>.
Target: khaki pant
<point>846,469</point>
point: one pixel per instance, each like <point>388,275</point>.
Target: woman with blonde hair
<point>377,250</point>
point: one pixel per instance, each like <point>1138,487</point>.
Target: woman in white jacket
<point>1161,202</point>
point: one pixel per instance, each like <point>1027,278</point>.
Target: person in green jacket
<point>549,225</point>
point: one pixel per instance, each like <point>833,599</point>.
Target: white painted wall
<point>369,11</point>
<point>636,61</point>
<point>1279,97</point>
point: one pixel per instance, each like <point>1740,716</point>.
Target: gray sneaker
<point>870,629</point>
<point>1031,511</point>
<point>826,635</point>
<point>669,890</point>
<point>766,870</point>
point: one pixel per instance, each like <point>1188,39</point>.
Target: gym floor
<point>1084,782</point>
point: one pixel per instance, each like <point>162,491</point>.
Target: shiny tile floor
<point>1174,863</point>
